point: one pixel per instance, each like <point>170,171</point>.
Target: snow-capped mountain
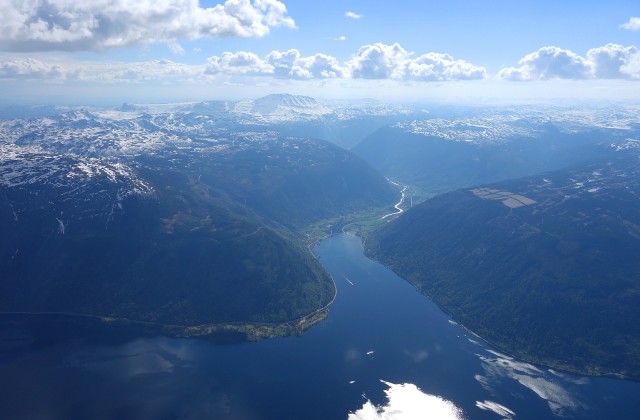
<point>470,130</point>
<point>85,153</point>
<point>342,123</point>
<point>440,154</point>
<point>150,212</point>
<point>281,108</point>
<point>500,125</point>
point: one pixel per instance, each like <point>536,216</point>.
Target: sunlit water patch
<point>545,385</point>
<point>499,409</point>
<point>408,402</point>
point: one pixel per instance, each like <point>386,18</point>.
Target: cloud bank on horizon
<point>377,61</point>
<point>372,62</point>
<point>48,41</point>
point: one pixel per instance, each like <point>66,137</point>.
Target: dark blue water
<point>378,328</point>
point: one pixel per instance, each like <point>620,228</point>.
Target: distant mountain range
<point>545,267</point>
<point>344,123</point>
<point>436,155</point>
<point>169,216</point>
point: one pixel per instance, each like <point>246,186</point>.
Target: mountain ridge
<point>437,155</point>
<point>157,219</point>
<point>544,267</point>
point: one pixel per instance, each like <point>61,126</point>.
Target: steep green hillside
<point>547,267</point>
<point>295,182</point>
<point>157,218</point>
<point>187,256</point>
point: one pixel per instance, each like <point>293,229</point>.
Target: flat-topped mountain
<point>282,107</point>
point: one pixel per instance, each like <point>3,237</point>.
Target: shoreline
<point>252,331</point>
<point>255,331</point>
<point>512,353</point>
<point>546,365</point>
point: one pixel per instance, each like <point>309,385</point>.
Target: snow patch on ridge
<point>281,108</point>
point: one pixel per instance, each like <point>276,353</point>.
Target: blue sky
<point>168,50</point>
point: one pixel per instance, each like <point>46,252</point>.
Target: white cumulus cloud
<point>283,61</point>
<point>101,72</point>
<point>353,15</point>
<point>381,61</point>
<point>632,66</point>
<point>548,63</point>
<point>614,61</point>
<point>44,25</point>
<point>282,64</point>
<point>437,66</point>
<point>378,61</point>
<point>241,62</point>
<point>165,71</point>
<point>290,64</point>
<point>30,68</point>
<point>633,24</point>
<point>611,61</point>
<point>175,48</point>
<point>318,66</point>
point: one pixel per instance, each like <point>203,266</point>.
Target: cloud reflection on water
<point>408,402</point>
<point>137,357</point>
<point>499,409</point>
<point>417,356</point>
<point>498,366</point>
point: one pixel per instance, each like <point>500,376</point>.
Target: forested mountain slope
<point>545,267</point>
